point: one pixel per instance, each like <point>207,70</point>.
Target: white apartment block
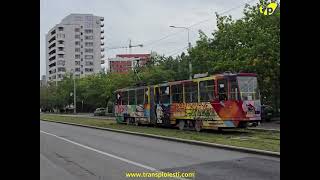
<point>75,45</point>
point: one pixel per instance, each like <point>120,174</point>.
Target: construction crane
<point>126,47</point>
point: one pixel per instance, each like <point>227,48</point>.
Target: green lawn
<point>265,140</point>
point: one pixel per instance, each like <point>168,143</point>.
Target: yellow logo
<point>269,9</point>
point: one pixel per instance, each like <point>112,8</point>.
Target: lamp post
<point>189,47</point>
<point>74,93</point>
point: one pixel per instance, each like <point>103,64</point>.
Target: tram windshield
<point>248,86</point>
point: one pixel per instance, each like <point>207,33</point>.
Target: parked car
<point>266,113</point>
<point>100,112</point>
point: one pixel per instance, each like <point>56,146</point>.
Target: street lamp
<point>74,93</point>
<point>189,47</point>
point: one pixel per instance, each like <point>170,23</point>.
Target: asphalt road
<point>71,152</point>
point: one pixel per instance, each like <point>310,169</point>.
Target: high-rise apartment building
<point>75,45</point>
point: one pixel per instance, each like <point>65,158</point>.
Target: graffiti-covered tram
<point>215,102</point>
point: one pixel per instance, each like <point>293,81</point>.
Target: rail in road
<point>74,152</point>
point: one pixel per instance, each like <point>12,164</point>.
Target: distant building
<point>123,63</point>
<point>75,44</point>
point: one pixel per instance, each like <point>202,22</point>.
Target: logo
<point>269,9</point>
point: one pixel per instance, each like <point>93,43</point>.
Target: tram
<point>228,100</point>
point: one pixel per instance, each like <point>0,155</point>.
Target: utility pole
<point>74,93</point>
<point>189,48</point>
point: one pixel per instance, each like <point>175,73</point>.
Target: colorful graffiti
<point>163,113</point>
<point>203,111</point>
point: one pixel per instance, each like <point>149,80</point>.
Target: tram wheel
<point>197,126</point>
<point>181,124</point>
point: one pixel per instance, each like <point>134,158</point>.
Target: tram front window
<point>248,88</point>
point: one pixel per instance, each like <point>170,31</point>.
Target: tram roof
<point>186,81</point>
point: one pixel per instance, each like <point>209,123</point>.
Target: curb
<point>201,143</point>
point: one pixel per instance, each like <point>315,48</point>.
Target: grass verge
<point>263,140</point>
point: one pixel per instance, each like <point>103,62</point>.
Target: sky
<point>143,21</point>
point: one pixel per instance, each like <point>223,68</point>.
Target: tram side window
<point>125,98</point>
<point>206,91</point>
<point>165,94</point>
<point>118,98</point>
<point>157,95</point>
<point>132,97</point>
<point>234,89</point>
<point>191,92</point>
<point>177,94</point>
<point>140,96</point>
<point>146,95</point>
<point>223,90</point>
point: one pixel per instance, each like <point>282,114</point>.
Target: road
<point>72,152</point>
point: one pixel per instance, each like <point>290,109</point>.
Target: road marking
<point>107,154</point>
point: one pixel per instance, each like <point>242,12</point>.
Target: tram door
<point>152,106</point>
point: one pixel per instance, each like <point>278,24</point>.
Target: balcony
<point>102,61</point>
<point>101,18</point>
<point>52,58</point>
<point>102,31</point>
<point>102,25</point>
<point>52,46</point>
<point>102,37</point>
<point>102,56</point>
<point>102,49</point>
<point>102,43</point>
<point>52,39</point>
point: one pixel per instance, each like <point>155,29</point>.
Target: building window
<point>89,63</point>
<point>60,48</point>
<point>61,62</point>
<point>88,44</point>
<point>88,69</point>
<point>88,56</point>
<point>77,49</point>
<point>77,63</point>
<point>88,37</point>
<point>60,28</point>
<point>77,29</point>
<point>60,55</point>
<point>77,56</point>
<point>61,69</point>
<point>60,35</point>
<point>88,31</point>
<point>77,69</point>
<point>88,50</point>
<point>60,42</point>
<point>77,36</point>
<point>77,43</point>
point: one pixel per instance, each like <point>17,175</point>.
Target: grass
<point>264,140</point>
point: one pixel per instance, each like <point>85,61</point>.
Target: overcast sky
<point>142,21</point>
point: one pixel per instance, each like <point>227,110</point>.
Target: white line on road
<point>107,154</point>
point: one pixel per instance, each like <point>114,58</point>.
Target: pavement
<point>72,152</point>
